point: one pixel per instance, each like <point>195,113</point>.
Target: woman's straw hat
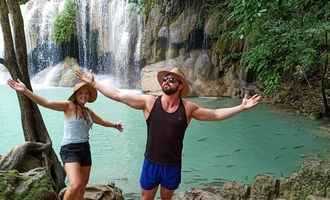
<point>177,73</point>
<point>92,91</point>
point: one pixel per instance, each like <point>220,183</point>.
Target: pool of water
<point>258,141</point>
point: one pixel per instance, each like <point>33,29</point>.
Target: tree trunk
<point>324,79</point>
<point>15,60</point>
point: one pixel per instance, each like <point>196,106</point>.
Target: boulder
<point>34,184</point>
<point>100,192</point>
<point>310,182</point>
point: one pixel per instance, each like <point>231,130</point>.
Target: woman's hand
<point>17,85</point>
<point>119,127</point>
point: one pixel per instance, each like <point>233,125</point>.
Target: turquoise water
<point>257,141</point>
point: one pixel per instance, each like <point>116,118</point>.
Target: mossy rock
<point>32,185</point>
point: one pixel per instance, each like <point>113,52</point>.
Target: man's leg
<point>149,180</point>
<point>170,181</point>
<point>166,194</point>
<point>149,194</point>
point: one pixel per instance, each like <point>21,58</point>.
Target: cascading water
<point>110,38</point>
<point>39,18</point>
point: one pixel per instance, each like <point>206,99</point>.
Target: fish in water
<point>237,150</point>
<point>202,139</point>
<point>230,166</point>
<point>199,179</point>
<point>277,157</point>
<point>221,156</point>
<point>299,146</point>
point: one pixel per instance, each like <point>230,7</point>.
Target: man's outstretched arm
<point>137,101</point>
<point>206,114</point>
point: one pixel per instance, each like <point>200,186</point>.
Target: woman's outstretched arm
<point>98,120</point>
<point>54,105</point>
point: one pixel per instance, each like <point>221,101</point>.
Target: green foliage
<point>144,6</point>
<point>22,1</point>
<point>65,23</point>
<point>285,38</point>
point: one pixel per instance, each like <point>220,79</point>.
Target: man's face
<point>170,84</point>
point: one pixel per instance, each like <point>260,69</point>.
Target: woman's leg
<point>76,181</point>
<point>85,172</point>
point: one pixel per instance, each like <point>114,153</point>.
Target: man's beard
<point>169,90</point>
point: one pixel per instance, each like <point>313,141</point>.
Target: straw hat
<point>177,73</point>
<point>92,91</point>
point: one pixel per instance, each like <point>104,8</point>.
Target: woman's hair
<point>84,111</point>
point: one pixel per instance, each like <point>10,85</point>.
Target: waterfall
<point>110,38</point>
<point>109,34</point>
<point>39,18</point>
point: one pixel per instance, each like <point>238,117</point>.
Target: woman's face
<point>82,95</point>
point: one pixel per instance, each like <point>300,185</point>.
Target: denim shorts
<point>153,174</point>
<point>76,152</point>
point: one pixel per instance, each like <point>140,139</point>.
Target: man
<point>167,118</point>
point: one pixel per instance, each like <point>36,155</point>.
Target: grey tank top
<point>76,130</point>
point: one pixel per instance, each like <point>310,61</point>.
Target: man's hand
<point>87,77</point>
<point>248,103</point>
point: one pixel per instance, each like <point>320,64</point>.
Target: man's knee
<point>149,194</point>
<point>166,194</point>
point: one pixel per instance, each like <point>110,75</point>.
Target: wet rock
<point>234,190</point>
<point>264,187</point>
<point>180,29</point>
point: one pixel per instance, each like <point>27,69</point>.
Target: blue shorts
<point>153,174</point>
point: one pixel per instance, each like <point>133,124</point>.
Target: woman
<point>78,119</point>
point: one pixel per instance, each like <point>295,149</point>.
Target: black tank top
<point>165,134</point>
